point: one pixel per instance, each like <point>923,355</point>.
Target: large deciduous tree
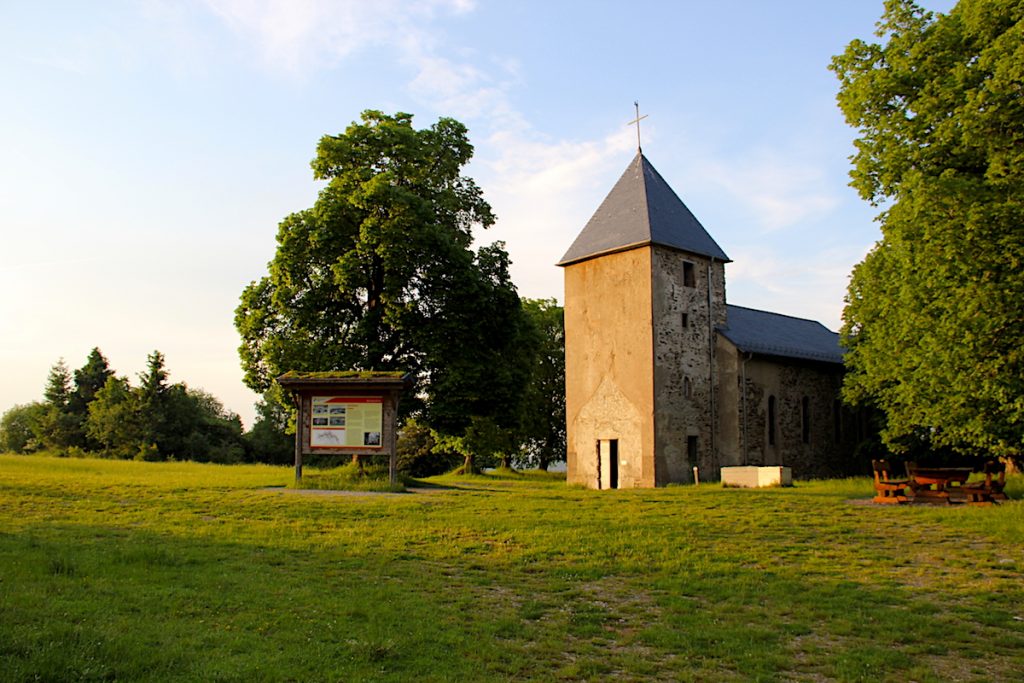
<point>21,426</point>
<point>934,319</point>
<point>380,274</point>
<point>542,426</point>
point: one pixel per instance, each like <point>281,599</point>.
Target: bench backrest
<point>881,469</point>
<point>994,467</point>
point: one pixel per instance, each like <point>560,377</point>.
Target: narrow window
<point>771,420</point>
<point>689,277</point>
<point>691,450</point>
<point>837,419</point>
<point>686,319</point>
<point>805,418</point>
<point>687,387</point>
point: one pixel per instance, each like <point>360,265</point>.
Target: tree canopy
<point>933,317</point>
<point>542,427</point>
<point>380,274</point>
<point>105,415</point>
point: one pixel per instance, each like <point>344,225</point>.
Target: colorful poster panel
<point>346,422</point>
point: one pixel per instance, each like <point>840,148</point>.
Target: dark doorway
<point>691,450</point>
<point>613,464</point>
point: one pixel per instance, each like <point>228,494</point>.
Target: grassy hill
<point>179,571</point>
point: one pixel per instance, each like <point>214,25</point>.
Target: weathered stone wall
<point>683,362</point>
<point>608,366</point>
<point>638,373</point>
<point>729,362</point>
<point>823,455</point>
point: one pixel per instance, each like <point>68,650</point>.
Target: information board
<point>346,422</point>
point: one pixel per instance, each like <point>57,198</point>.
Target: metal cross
<point>637,121</point>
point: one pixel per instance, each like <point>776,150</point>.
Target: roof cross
<point>637,122</point>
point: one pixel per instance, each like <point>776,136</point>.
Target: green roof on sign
<point>295,375</point>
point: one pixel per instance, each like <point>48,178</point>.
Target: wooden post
<point>391,442</point>
<point>298,455</point>
<point>298,439</point>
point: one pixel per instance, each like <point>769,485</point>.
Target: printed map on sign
<point>346,422</point>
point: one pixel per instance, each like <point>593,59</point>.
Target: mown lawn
<point>139,571</point>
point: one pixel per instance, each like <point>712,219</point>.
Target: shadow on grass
<point>141,605</point>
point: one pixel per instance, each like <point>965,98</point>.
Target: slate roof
<point>641,209</point>
<point>773,334</point>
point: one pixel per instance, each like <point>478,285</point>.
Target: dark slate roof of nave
<point>641,209</point>
<point>774,334</point>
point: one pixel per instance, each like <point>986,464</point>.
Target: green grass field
<point>138,571</point>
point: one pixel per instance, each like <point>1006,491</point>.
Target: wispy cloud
<point>778,190</point>
<point>542,189</point>
<point>299,34</point>
<point>792,283</point>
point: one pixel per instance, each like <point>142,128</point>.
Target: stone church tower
<point>657,376</point>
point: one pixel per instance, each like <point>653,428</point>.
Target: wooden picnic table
<point>922,479</point>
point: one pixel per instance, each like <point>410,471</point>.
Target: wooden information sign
<point>346,413</point>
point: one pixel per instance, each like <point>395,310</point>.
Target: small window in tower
<point>687,387</point>
<point>689,276</point>
<point>691,450</point>
<point>837,418</point>
<point>805,419</point>
<point>686,319</point>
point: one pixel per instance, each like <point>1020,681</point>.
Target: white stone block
<point>752,477</point>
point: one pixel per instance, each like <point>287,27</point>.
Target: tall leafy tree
<point>933,316</point>
<point>380,274</point>
<point>198,427</point>
<point>542,426</point>
<point>115,421</point>
<point>21,426</point>
<point>268,440</point>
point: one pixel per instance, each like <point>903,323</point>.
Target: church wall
<point>609,372</point>
<point>823,454</point>
<point>730,366</point>
<point>683,362</point>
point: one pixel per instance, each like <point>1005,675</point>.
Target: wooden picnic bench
<point>888,490</point>
<point>937,484</point>
<point>989,489</point>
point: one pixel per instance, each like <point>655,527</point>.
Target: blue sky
<point>150,149</point>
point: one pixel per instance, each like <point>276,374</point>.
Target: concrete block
<point>752,477</point>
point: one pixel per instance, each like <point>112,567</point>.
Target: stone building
<point>662,375</point>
